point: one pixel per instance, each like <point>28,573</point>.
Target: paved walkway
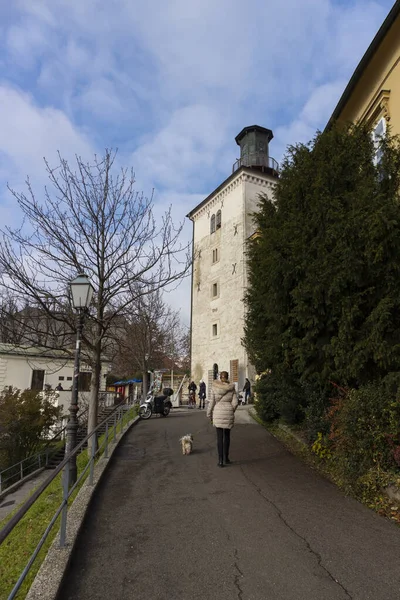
<point>16,498</point>
<point>166,526</point>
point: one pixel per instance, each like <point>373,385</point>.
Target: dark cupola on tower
<point>254,153</point>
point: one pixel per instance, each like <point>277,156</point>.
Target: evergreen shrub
<point>316,422</point>
<point>365,433</point>
<point>291,400</point>
<point>279,396</point>
<point>265,398</point>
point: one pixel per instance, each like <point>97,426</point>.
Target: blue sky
<point>169,83</point>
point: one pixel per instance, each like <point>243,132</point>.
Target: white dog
<point>187,443</point>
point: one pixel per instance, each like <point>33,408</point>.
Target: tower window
<point>215,329</point>
<point>215,290</point>
<point>219,219</point>
<point>212,224</point>
<point>215,255</point>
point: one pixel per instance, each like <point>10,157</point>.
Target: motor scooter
<point>159,405</point>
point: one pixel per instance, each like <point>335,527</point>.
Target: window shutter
<point>234,370</point>
<point>212,225</point>
<point>210,382</point>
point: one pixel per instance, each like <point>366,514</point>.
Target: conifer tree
<point>324,269</point>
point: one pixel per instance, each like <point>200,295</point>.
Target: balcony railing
<point>256,159</point>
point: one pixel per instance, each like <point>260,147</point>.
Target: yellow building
<point>373,92</point>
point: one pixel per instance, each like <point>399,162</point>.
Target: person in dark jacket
<point>202,394</point>
<point>192,387</point>
<point>247,390</point>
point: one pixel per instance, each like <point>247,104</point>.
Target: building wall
<point>368,100</point>
<point>16,371</point>
<point>236,201</point>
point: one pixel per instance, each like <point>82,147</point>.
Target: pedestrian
<point>247,391</point>
<point>59,388</point>
<point>221,410</point>
<point>192,387</point>
<point>202,393</point>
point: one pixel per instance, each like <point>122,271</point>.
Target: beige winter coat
<point>223,404</point>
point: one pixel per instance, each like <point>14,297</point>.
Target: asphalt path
<point>166,526</point>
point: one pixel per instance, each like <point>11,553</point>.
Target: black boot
<point>227,461</point>
<point>220,463</point>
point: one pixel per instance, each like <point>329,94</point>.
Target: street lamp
<point>81,293</point>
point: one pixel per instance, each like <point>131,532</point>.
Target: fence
<point>22,469</point>
<point>18,471</point>
<point>120,416</point>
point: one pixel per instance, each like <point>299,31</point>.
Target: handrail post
<point>63,526</point>
<point>106,446</point>
<point>47,457</point>
<point>122,420</point>
<point>93,453</point>
<point>22,470</point>
<point>39,461</point>
<point>115,427</point>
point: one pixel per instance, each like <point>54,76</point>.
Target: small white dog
<point>187,443</point>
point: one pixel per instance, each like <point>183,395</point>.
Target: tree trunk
<point>144,384</point>
<point>94,393</point>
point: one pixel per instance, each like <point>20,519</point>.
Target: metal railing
<point>112,423</point>
<point>256,159</point>
<point>107,399</point>
<point>22,469</point>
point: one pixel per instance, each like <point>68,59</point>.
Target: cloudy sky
<point>170,83</point>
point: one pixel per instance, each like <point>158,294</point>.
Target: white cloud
<point>182,153</point>
<point>312,116</point>
<point>171,83</point>
<point>26,43</point>
<point>29,132</point>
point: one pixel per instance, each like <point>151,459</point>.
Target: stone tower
<point>222,224</point>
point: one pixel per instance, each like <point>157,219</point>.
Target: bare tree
<point>31,325</point>
<point>90,220</point>
<point>9,331</point>
<point>152,338</point>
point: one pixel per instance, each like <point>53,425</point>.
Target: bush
<point>365,431</point>
<point>291,400</point>
<point>316,418</point>
<point>26,419</point>
<point>321,447</point>
<point>279,396</point>
<point>264,401</point>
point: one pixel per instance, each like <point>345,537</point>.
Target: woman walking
<point>221,410</point>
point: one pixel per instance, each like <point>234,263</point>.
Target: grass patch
<point>22,541</point>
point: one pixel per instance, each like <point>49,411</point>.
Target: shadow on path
<point>166,526</point>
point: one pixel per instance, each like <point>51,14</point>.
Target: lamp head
<point>81,292</point>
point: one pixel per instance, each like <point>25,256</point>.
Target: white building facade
<point>27,367</point>
<point>222,224</point>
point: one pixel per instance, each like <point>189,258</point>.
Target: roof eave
<point>231,176</point>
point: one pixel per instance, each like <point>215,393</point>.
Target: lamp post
<point>81,293</point>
